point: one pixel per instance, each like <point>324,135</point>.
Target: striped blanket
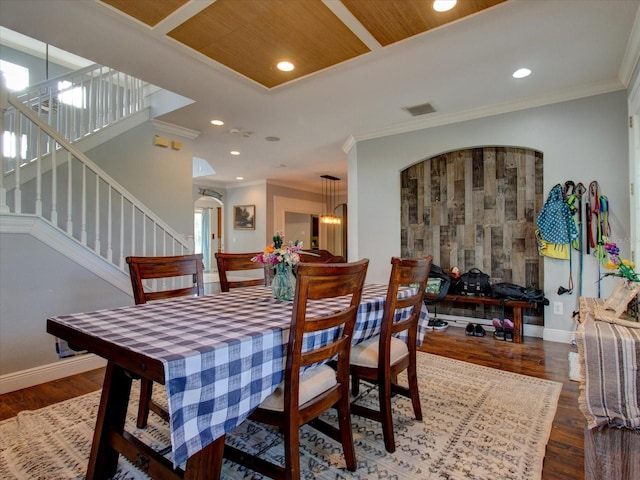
<point>609,357</point>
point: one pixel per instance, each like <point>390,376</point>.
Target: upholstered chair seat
<point>365,354</point>
<point>313,382</point>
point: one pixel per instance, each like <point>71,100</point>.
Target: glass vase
<point>283,283</point>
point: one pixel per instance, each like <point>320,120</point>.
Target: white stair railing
<point>76,105</point>
<point>65,188</point>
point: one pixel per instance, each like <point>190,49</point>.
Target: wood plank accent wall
<point>476,208</point>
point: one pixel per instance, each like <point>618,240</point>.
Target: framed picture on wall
<point>244,217</point>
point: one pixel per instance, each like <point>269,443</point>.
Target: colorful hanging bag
<point>556,228</point>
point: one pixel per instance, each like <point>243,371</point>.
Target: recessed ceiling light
<point>285,66</point>
<point>239,178</point>
<point>234,152</point>
<point>443,5</point>
<point>521,73</point>
<point>217,123</point>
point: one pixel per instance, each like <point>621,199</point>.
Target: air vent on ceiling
<point>418,110</point>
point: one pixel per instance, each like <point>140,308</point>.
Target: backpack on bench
<point>511,291</point>
<point>437,283</point>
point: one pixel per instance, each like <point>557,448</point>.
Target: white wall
<point>298,227</point>
<point>634,162</point>
<point>238,241</point>
<point>37,282</point>
<point>581,140</point>
<point>281,199</point>
<point>159,177</point>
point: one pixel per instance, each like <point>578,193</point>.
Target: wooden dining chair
<point>303,396</point>
<point>174,276</point>
<point>320,256</point>
<point>240,262</point>
<point>381,358</point>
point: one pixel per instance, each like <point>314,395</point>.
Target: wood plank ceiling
<point>251,36</point>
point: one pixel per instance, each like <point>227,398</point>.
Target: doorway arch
<point>208,221</point>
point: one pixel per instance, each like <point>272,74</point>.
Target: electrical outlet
<point>557,308</point>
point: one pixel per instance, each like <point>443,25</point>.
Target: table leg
<point>207,463</point>
<point>112,414</point>
<point>518,335</point>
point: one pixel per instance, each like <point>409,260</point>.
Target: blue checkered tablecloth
<point>223,353</point>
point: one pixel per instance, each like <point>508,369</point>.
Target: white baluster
<point>121,262</point>
<point>133,229</point>
<point>38,210</point>
<point>17,194</point>
<point>83,110</point>
<point>144,234</point>
<point>97,245</point>
<point>164,242</point>
<point>83,214</point>
<point>69,194</point>
<point>54,181</point>
<point>92,103</point>
<point>109,226</point>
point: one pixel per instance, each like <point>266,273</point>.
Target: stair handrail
<point>73,152</point>
<point>106,96</point>
<point>55,80</point>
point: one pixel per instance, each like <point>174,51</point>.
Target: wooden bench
<point>516,305</point>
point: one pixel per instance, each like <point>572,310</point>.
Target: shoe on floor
<point>470,329</point>
<point>498,324</point>
<point>479,331</point>
<point>437,324</point>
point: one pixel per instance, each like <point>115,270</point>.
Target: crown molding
<point>631,54</point>
<point>349,143</point>
<point>175,129</point>
<point>437,120</point>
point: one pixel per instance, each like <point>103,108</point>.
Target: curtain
<point>206,239</point>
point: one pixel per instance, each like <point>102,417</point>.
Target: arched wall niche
<point>476,207</point>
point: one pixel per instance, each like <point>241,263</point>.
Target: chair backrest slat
<point>240,262</point>
<point>319,281</point>
<point>161,269</point>
<point>320,256</point>
<point>405,272</point>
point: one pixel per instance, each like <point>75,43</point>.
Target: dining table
<point>218,356</point>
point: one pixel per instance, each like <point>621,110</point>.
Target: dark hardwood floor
<point>564,459</point>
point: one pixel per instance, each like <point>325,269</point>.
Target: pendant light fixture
<point>328,197</point>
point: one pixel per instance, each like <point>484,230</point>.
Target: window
<point>10,145</point>
<point>17,77</point>
<point>71,96</point>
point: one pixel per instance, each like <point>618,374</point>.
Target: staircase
<point>47,180</point>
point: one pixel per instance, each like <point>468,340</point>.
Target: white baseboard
<point>53,371</point>
<point>560,336</point>
<point>547,334</point>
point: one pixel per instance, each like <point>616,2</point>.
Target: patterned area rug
<point>479,423</point>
